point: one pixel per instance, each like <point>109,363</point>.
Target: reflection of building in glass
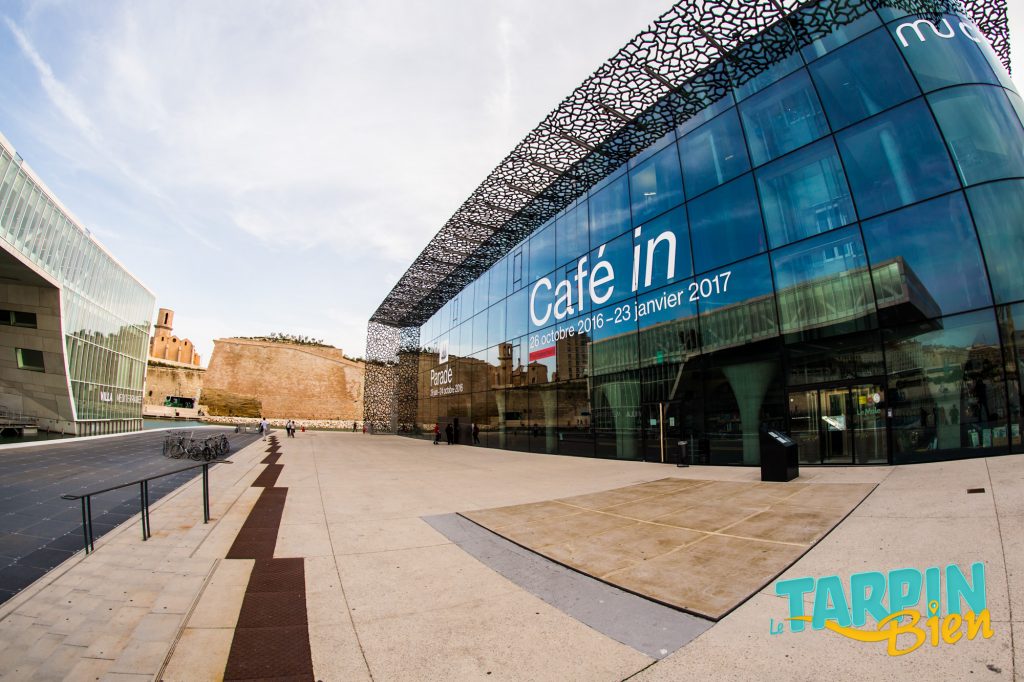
<point>811,221</point>
<point>74,325</point>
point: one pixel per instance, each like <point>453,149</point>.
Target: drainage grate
<point>975,490</point>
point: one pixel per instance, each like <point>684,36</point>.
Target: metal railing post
<point>145,509</point>
<point>88,511</point>
<point>206,491</point>
<point>88,534</point>
<point>142,507</point>
<point>85,525</point>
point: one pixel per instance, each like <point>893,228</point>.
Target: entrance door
<point>839,424</point>
<point>869,432</point>
<point>663,429</point>
<point>835,425</point>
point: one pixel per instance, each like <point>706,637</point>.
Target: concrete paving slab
<point>650,628</point>
<point>362,536</point>
<point>764,528</point>
<point>510,636</point>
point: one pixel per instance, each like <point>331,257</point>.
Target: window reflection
<point>609,212</point>
<point>997,209</point>
<point>804,194</point>
<point>656,185</point>
<point>862,79</point>
<point>951,277</point>
<point>895,159</point>
<point>726,224</point>
<point>946,386</point>
<point>782,118</point>
<point>741,309</point>
<point>941,53</point>
<point>713,154</point>
<point>983,132</point>
<point>823,284</point>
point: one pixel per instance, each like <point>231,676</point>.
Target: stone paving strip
<point>118,611</point>
<point>701,546</point>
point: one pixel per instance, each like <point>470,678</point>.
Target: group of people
<point>449,433</point>
<point>289,428</point>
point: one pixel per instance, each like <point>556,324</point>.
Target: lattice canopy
<point>688,58</point>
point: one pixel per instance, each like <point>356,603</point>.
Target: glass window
<point>758,63</point>
<point>479,323</point>
<point>736,304</point>
<point>714,153</point>
<point>482,295</point>
<point>609,212</point>
<point>936,248</point>
<point>664,254</point>
<point>945,387</point>
<point>823,284</point>
<point>703,97</point>
<point>542,253</point>
<point>844,357</point>
<point>516,314</point>
<point>862,79</point>
<point>785,116</point>
<point>30,359</point>
<point>669,336</point>
<point>497,281</point>
<point>827,26</point>
<point>611,272</point>
<point>983,132</point>
<point>726,224</point>
<point>997,208</point>
<point>942,51</point>
<point>496,324</point>
<point>804,194</point>
<point>517,264</point>
<point>573,239</point>
<point>895,159</point>
<point>656,185</point>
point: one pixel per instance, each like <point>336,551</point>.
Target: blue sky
<point>275,166</point>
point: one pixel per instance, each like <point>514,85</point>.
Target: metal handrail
<point>143,484</point>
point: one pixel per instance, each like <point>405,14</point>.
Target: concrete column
<point>547,398</point>
<point>499,397</point>
<point>622,396</point>
<point>749,382</point>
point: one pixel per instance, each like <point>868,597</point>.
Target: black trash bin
<point>779,458</point>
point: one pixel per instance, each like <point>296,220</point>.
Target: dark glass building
<point>817,227</point>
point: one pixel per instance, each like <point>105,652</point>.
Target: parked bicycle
<point>181,445</point>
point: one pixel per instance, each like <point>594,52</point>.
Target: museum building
<point>758,214</point>
<point>74,323</point>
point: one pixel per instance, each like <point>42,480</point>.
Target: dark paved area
<point>39,530</point>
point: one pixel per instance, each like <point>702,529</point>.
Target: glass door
<point>840,424</point>
<point>834,423</point>
<point>803,420</point>
<point>869,432</point>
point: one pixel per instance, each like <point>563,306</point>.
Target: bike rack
<point>143,484</point>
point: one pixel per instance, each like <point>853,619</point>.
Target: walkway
<point>389,597</point>
<point>39,530</point>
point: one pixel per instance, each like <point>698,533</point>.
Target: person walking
<point>437,433</point>
<point>449,433</point>
<point>476,434</point>
<point>264,427</point>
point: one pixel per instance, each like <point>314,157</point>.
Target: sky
<point>276,166</point>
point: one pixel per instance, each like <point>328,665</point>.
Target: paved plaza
<point>346,543</point>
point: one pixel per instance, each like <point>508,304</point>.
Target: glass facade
<point>105,312</point>
<point>831,248</point>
